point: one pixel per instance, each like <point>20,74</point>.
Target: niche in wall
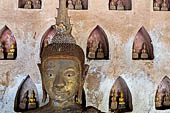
<point>29,4</point>
<point>120,4</point>
<point>47,38</point>
<point>77,4</point>
<point>142,46</point>
<point>162,96</point>
<point>27,96</point>
<point>120,97</point>
<point>8,46</point>
<point>97,45</point>
<point>161,5</point>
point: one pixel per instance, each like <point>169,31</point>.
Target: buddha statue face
<point>61,78</point>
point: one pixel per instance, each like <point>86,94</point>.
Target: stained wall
<point>142,77</point>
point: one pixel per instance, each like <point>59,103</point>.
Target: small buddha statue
<point>114,101</point>
<point>121,104</point>
<point>24,102</point>
<point>164,6</point>
<point>135,55</point>
<point>92,51</point>
<point>112,5</point>
<point>32,104</point>
<point>1,52</point>
<point>10,55</point>
<point>78,5</point>
<point>156,6</point>
<point>28,4</point>
<point>120,5</point>
<point>166,101</point>
<point>144,54</point>
<point>70,4</point>
<point>157,100</point>
<point>100,53</point>
<point>37,4</point>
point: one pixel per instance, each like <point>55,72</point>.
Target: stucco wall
<point>142,77</point>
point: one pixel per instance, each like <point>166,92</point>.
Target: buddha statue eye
<point>69,75</point>
<point>50,74</point>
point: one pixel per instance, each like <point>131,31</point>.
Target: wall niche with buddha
<point>120,97</point>
<point>8,46</point>
<point>47,38</point>
<point>29,4</point>
<point>142,46</point>
<point>27,96</point>
<point>97,45</point>
<point>161,5</point>
<point>120,4</point>
<point>77,4</point>
<point>162,97</point>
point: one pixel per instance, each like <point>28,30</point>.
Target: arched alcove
<point>27,96</point>
<point>120,4</point>
<point>162,96</point>
<point>77,4</point>
<point>120,97</point>
<point>8,45</point>
<point>47,38</point>
<point>161,5</point>
<point>142,46</point>
<point>97,45</point>
<point>30,4</point>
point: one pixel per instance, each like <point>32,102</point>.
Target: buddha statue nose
<point>59,82</point>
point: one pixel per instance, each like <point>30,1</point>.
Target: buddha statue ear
<point>43,88</point>
<point>80,90</point>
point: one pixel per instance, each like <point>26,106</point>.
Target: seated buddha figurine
<point>113,101</point>
<point>11,53</point>
<point>1,52</point>
<point>156,6</point>
<point>28,4</point>
<point>62,70</point>
<point>112,5</point>
<point>157,101</point>
<point>23,105</point>
<point>122,104</point>
<point>144,54</point>
<point>32,104</point>
<point>92,51</point>
<point>164,6</point>
<point>70,4</point>
<point>37,4</point>
<point>166,101</point>
<point>100,53</point>
<point>135,55</point>
<point>78,5</point>
<point>120,5</point>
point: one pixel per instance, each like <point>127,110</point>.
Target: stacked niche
<point>162,97</point>
<point>97,45</point>
<point>120,4</point>
<point>8,46</point>
<point>77,4</point>
<point>47,38</point>
<point>27,96</point>
<point>161,5</point>
<point>142,46</point>
<point>29,4</point>
<point>120,97</point>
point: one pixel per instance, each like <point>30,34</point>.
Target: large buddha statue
<point>62,70</point>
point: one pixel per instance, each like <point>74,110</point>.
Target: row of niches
<point>97,44</point>
<point>120,99</point>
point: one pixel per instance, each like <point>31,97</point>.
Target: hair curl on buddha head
<point>63,50</point>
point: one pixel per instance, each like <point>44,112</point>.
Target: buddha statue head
<point>62,68</point>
